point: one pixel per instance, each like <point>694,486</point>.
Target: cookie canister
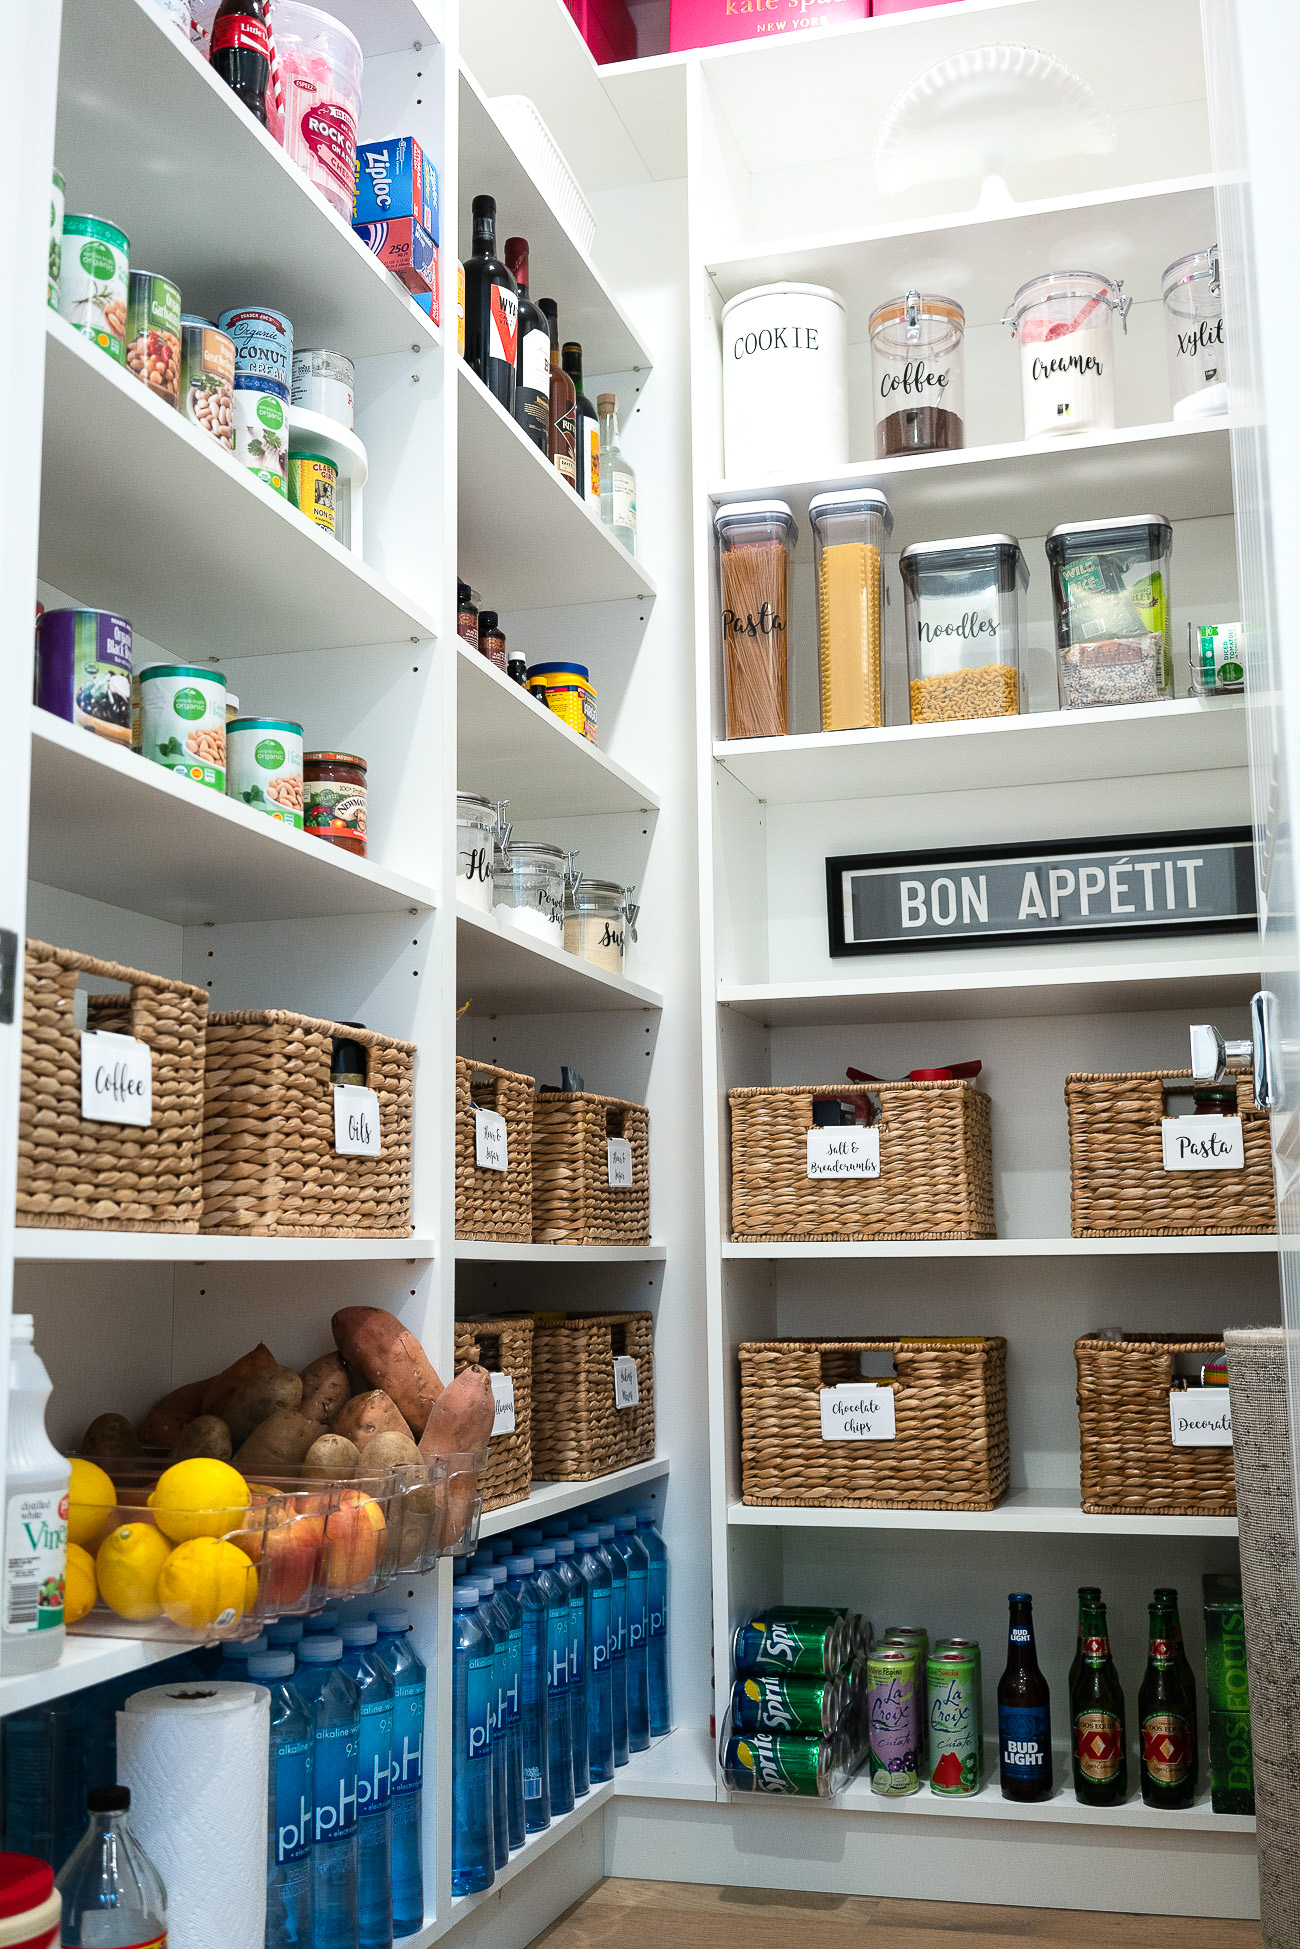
<point>784,381</point>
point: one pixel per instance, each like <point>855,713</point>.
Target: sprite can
<point>765,1702</point>
<point>783,1762</point>
<point>893,1726</point>
<point>801,1642</point>
<point>859,1628</point>
<point>953,1719</point>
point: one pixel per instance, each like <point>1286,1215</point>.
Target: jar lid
<point>607,889</point>
<point>852,500</point>
<point>1186,270</point>
<point>782,291</point>
<point>536,849</point>
<point>479,803</point>
<point>740,513</point>
<point>180,670</point>
<point>1129,524</point>
<point>930,305</point>
<point>560,670</point>
<point>333,758</point>
<point>263,724</point>
<point>958,543</point>
<point>1065,284</point>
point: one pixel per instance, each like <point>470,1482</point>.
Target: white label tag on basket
<point>356,1121</point>
<point>858,1411</point>
<point>850,1152</point>
<point>503,1393</point>
<point>1203,1144</point>
<point>627,1382</point>
<point>1200,1417</point>
<point>116,1080</point>
<point>490,1153</point>
<point>619,1152</point>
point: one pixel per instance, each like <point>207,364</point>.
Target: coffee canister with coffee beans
<point>918,374</point>
<point>784,384</point>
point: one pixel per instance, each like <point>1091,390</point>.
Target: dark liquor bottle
<point>1089,1594</point>
<point>1100,1751</point>
<point>563,444</point>
<point>1024,1711</point>
<point>533,362</point>
<point>240,51</point>
<point>588,430</point>
<point>491,309</point>
<point>1169,1599</point>
<point>1165,1729</point>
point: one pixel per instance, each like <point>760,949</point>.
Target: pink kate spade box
<point>707,23</point>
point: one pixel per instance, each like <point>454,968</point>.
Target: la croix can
<point>93,276</point>
<point>153,334</point>
<point>806,1645</point>
<point>264,766</point>
<point>952,1706</point>
<point>208,379</point>
<point>183,721</point>
<point>313,487</point>
<point>893,1727</point>
<point>83,670</point>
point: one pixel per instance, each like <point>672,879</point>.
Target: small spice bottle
<point>517,668</point>
<point>466,613</point>
<point>334,798</point>
<point>491,640</point>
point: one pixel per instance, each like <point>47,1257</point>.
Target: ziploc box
<point>395,179</point>
<point>405,248</point>
<point>428,300</point>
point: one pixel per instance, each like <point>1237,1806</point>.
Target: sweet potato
<point>331,1457</point>
<point>263,1394</point>
<point>162,1425</point>
<point>378,1347</point>
<point>461,1418</point>
<point>368,1415</point>
<point>325,1387</point>
<point>279,1444</point>
<point>217,1393</point>
<point>206,1435</point>
<point>110,1435</point>
<point>388,1452</point>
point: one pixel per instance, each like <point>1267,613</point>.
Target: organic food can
<point>153,334</point>
<point>334,799</point>
<point>263,346</point>
<point>789,1763</point>
<point>313,481</point>
<point>322,383</point>
<point>93,274</point>
<point>183,721</point>
<point>809,1647</point>
<point>83,670</point>
<point>56,240</point>
<point>264,766</point>
<point>261,426</point>
<point>208,379</point>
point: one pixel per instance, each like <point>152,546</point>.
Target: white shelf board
<point>144,514</point>
<point>558,267</point>
<point>510,747</point>
<point>553,1498</point>
<point>1187,734</point>
<point>84,1661</point>
<point>532,1850</point>
<point>192,1248</point>
<point>492,1252</point>
<point>146,131</point>
<point>1061,1810</point>
<point>525,539</point>
<point>502,971</point>
<point>679,1766</point>
<point>1210,1245</point>
<point>180,852</point>
<point>1024,1512</point>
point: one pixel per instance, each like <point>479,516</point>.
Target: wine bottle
<point>533,361</point>
<point>588,430</point>
<point>563,443</point>
<point>491,309</point>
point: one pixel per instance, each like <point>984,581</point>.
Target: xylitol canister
<point>313,487</point>
<point>183,721</point>
<point>787,1763</point>
<point>264,766</point>
<point>56,240</point>
<point>93,276</point>
<point>952,1708</point>
<point>807,1646</point>
<point>893,1727</point>
<point>83,670</point>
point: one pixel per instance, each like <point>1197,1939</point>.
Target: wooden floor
<point>676,1915</point>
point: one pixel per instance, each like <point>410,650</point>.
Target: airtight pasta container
<point>528,887</point>
<point>754,543</point>
<point>918,375</point>
<point>1110,597</point>
<point>1064,321</point>
<point>477,823</point>
<point>964,605</point>
<point>1193,305</point>
<point>849,529</point>
<point>784,382</point>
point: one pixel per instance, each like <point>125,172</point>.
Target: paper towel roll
<point>195,1759</point>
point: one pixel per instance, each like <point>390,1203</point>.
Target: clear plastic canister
<point>754,543</point>
<point>1064,321</point>
<point>1110,596</point>
<point>849,530</point>
<point>918,374</point>
<point>599,918</point>
<point>477,821</point>
<point>1193,299</point>
<point>964,604</point>
<point>528,887</point>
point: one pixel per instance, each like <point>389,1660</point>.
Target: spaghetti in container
<point>754,543</point>
<point>849,530</point>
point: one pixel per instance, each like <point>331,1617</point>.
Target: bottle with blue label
<point>661,1707</point>
<point>593,1567</point>
<point>617,1641</point>
<point>406,1765</point>
<point>569,1576</point>
<point>494,1623</point>
<point>331,1698</point>
<point>534,1612</point>
<point>559,1679</point>
<point>374,1682</point>
<point>291,1811</point>
<point>472,1672</point>
<point>1024,1716</point>
<point>510,1644</point>
<point>637,1558</point>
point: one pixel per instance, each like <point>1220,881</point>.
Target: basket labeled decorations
<point>1129,1463</point>
<point>593,1394</point>
<point>505,1348</point>
<point>494,1179</point>
<point>591,1169</point>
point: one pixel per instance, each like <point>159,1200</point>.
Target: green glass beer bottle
<point>1089,1594</point>
<point>1168,1779</point>
<point>1099,1748</point>
<point>1169,1598</point>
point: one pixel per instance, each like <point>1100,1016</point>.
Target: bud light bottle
<point>240,51</point>
<point>406,1766</point>
<point>374,1683</point>
<point>637,1559</point>
<point>331,1698</point>
<point>661,1709</point>
<point>289,1790</point>
<point>534,1613</point>
<point>1024,1719</point>
<point>593,1567</point>
<point>569,1576</point>
<point>617,1640</point>
<point>472,1653</point>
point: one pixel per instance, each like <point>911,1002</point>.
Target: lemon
<point>207,1584</point>
<point>91,1501</point>
<point>199,1498</point>
<point>127,1567</point>
<point>79,1589</point>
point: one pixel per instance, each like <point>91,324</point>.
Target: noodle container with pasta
<point>785,407</point>
<point>754,543</point>
<point>849,528</point>
<point>964,602</point>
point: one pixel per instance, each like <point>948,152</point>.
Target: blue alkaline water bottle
<point>534,1612</point>
<point>617,1640</point>
<point>509,1638</point>
<point>331,1698</point>
<point>569,1576</point>
<point>291,1813</point>
<point>233,1668</point>
<point>592,1567</point>
<point>406,1766</point>
<point>661,1708</point>
<point>559,1679</point>
<point>374,1682</point>
<point>494,1623</point>
<point>635,1556</point>
<point>472,1655</point>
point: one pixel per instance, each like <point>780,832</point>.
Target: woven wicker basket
<point>504,1347</point>
<point>494,1204</point>
<point>270,1169</point>
<point>108,1177</point>
<point>578,1433</point>
<point>936,1166</point>
<point>1128,1465</point>
<point>950,1449</point>
<point>1119,1187</point>
<point>573,1200</point>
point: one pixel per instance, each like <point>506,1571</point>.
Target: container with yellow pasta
<point>964,605</point>
<point>849,529</point>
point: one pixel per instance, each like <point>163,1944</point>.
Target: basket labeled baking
<point>505,1348</point>
<point>932,1177</point>
<point>285,1154</point>
<point>76,1172</point>
<point>1127,1177</point>
<point>814,1430</point>
<point>591,1169</point>
<point>494,1146</point>
<point>593,1394</point>
<point>1129,1461</point>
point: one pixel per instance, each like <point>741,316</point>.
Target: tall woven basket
<point>1128,1465</point>
<point>951,1448</point>
<point>495,1205</point>
<point>573,1200</point>
<point>578,1432</point>
<point>936,1166</point>
<point>270,1169</point>
<point>108,1177</point>
<point>504,1347</point>
<point>1119,1187</point>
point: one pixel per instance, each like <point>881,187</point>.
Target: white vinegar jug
<point>36,1518</point>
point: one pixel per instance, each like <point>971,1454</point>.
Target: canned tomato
<point>322,383</point>
<point>893,1722</point>
<point>953,1714</point>
<point>789,1763</point>
<point>208,379</point>
<point>262,431</point>
<point>334,799</point>
<point>263,346</point>
<point>763,1702</point>
<point>153,334</point>
<point>313,483</point>
<point>264,766</point>
<point>183,721</point>
<point>93,274</point>
<point>806,1646</point>
<point>56,240</point>
<point>83,670</point>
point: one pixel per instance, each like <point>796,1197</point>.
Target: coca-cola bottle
<point>240,51</point>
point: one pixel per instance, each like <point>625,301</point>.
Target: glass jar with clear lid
<point>528,886</point>
<point>599,919</point>
<point>918,374</point>
<point>849,528</point>
<point>1110,597</point>
<point>964,604</point>
<point>478,822</point>
<point>754,543</point>
<point>1193,302</point>
<point>1064,321</point>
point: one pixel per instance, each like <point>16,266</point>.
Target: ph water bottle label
<point>638,1617</point>
<point>577,1633</point>
<point>406,1766</point>
<point>293,1821</point>
<point>373,1767</point>
<point>602,1605</point>
<point>509,1698</point>
<point>559,1670</point>
<point>479,1706</point>
<point>36,1554</point>
<point>336,1753</point>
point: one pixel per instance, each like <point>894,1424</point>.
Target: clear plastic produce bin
<point>1110,596</point>
<point>964,604</point>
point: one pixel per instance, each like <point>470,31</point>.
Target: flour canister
<point>784,383</point>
